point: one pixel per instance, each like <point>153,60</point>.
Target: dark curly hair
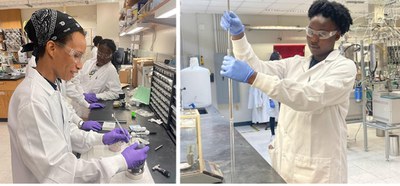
<point>338,13</point>
<point>109,43</point>
<point>96,40</point>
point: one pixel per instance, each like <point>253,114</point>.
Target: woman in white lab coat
<point>310,144</point>
<point>98,79</point>
<point>42,134</point>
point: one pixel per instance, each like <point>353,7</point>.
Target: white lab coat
<point>74,117</point>
<point>43,138</point>
<point>94,52</point>
<point>310,146</point>
<point>104,83</point>
<point>260,106</point>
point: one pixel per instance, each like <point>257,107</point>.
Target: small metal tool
<point>158,147</point>
<point>161,170</point>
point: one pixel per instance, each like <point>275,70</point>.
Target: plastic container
<point>394,145</point>
<point>116,147</point>
<point>196,82</point>
<point>358,93</point>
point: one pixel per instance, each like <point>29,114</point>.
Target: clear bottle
<point>190,156</point>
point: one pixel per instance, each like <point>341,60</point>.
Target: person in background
<point>98,79</point>
<point>274,108</point>
<point>42,135</point>
<point>311,140</point>
<point>96,41</point>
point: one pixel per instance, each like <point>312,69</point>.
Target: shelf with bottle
<point>138,15</point>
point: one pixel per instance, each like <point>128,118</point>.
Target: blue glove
<point>90,97</point>
<point>236,69</point>
<point>134,156</point>
<point>96,106</point>
<point>231,21</point>
<point>115,136</point>
<point>271,103</point>
<point>91,125</point>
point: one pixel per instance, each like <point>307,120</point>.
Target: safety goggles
<point>103,55</point>
<point>77,56</point>
<point>321,34</point>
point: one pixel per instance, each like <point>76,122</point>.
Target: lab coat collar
<point>34,75</point>
<point>331,57</point>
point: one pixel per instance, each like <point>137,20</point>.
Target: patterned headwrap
<point>48,24</point>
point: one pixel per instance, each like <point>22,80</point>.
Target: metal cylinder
<point>380,133</point>
<point>394,144</point>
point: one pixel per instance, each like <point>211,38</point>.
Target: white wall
<point>107,21</point>
<point>165,40</point>
<point>197,38</point>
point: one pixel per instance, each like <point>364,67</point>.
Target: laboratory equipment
<point>163,96</point>
<point>116,147</point>
<point>197,170</point>
<point>119,125</point>
<point>394,144</point>
<point>386,106</point>
<point>161,170</point>
<point>158,147</point>
<point>137,172</point>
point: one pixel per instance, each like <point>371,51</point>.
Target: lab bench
<point>382,126</point>
<point>250,166</point>
<point>165,156</point>
<point>8,84</point>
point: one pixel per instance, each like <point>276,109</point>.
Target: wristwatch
<point>80,123</point>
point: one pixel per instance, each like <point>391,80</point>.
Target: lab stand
<point>382,126</point>
<point>194,169</point>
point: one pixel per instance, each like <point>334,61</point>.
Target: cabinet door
<point>4,100</point>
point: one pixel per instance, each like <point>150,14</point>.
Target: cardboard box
<point>124,75</point>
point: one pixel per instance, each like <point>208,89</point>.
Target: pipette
<point>119,125</point>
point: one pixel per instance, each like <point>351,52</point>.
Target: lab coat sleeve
<point>83,141</point>
<point>243,51</point>
<point>113,85</point>
<point>75,92</point>
<point>74,117</point>
<point>45,152</point>
<point>330,90</point>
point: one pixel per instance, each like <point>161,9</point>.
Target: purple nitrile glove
<point>91,125</point>
<point>232,22</point>
<point>271,103</point>
<point>96,106</point>
<point>236,69</point>
<point>135,157</point>
<point>115,136</point>
<point>90,97</point>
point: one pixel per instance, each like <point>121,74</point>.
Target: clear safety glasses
<point>321,34</point>
<point>103,55</point>
<point>77,56</point>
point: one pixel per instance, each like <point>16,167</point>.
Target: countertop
<point>165,156</point>
<point>7,77</point>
